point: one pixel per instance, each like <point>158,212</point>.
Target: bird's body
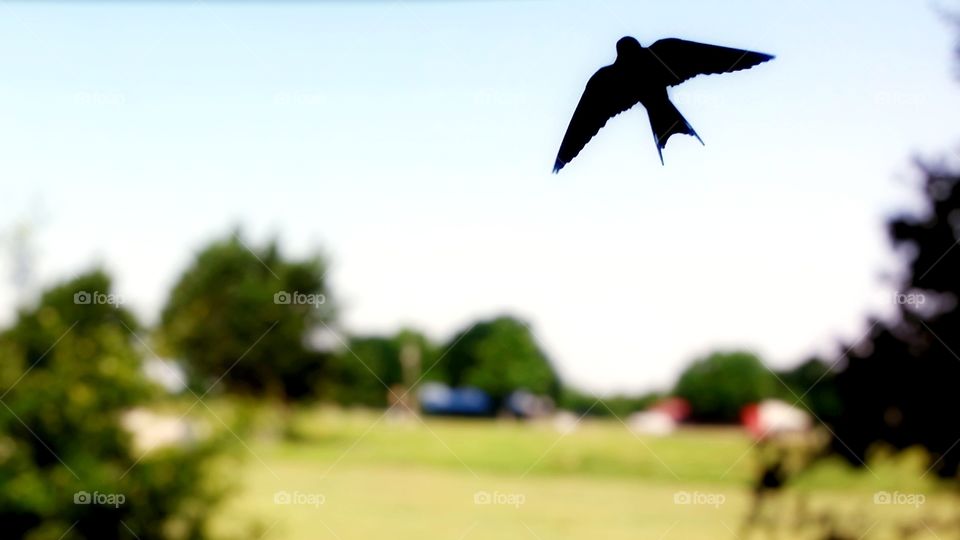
<point>642,75</point>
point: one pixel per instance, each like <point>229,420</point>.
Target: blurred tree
<point>498,356</point>
<point>899,385</point>
<point>719,385</point>
<point>360,373</point>
<point>243,317</point>
<point>69,369</point>
<point>814,382</point>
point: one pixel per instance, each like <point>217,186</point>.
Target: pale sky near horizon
<point>412,142</point>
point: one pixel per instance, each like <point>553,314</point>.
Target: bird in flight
<point>641,75</point>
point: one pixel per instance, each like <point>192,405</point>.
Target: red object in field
<point>676,408</point>
<point>750,418</point>
<point>772,417</point>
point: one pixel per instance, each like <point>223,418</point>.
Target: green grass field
<point>348,476</point>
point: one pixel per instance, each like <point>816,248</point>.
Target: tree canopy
<point>243,316</point>
<point>498,356</point>
<point>721,384</point>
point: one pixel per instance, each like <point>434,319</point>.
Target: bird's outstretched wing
<point>604,97</point>
<point>683,60</point>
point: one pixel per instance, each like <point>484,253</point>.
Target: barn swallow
<point>641,75</point>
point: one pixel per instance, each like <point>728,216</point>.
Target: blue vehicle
<point>440,399</point>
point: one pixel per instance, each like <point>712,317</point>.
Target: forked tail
<point>666,120</point>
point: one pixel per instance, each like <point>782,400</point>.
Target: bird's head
<point>628,46</point>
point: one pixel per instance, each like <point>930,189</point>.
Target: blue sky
<point>412,142</point>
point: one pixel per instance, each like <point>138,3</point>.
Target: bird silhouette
<point>641,75</point>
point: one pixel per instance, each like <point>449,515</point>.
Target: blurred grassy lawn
<point>416,480</point>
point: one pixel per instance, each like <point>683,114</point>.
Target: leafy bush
<point>70,369</point>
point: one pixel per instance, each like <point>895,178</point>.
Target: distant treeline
<point>264,324</point>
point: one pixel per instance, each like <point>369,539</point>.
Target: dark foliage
<point>899,385</point>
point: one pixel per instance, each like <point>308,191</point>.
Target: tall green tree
<point>69,369</point>
<point>241,317</point>
<point>498,356</point>
<point>719,385</point>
